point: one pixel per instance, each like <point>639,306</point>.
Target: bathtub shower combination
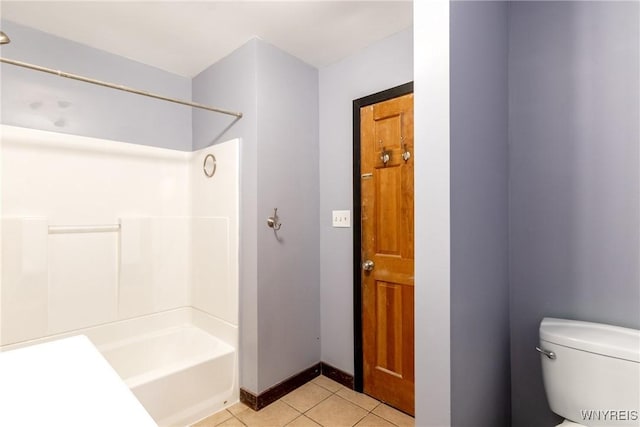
<point>134,247</point>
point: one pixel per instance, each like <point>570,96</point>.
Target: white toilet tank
<point>592,376</point>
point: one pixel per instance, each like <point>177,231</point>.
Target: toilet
<point>591,372</point>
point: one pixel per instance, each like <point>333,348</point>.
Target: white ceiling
<point>185,37</point>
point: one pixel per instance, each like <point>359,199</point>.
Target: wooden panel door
<point>386,150</point>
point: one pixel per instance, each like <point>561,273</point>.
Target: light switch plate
<point>341,218</point>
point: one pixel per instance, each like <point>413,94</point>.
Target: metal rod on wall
<point>118,87</point>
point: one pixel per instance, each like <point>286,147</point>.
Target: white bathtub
<point>180,364</point>
<point>176,373</point>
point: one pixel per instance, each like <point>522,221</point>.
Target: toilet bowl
<point>591,372</point>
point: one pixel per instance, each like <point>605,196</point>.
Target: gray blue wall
<point>480,383</point>
<point>574,177</point>
<point>48,102</point>
<point>288,269</point>
<point>279,279</point>
<point>381,66</point>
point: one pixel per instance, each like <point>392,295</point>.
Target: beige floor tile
<point>215,419</point>
<point>336,412</point>
<point>394,416</point>
<point>306,397</point>
<point>303,421</point>
<point>359,399</point>
<point>237,408</point>
<point>374,421</point>
<point>327,383</point>
<point>274,415</point>
<point>232,422</point>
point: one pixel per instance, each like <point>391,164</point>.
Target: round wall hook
<point>209,165</point>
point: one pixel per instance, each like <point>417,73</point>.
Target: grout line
<point>289,423</point>
<point>335,393</point>
<point>303,413</point>
<point>365,415</point>
<point>236,418</point>
<point>331,393</point>
<point>288,404</point>
<point>321,386</point>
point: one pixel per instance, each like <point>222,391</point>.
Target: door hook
<point>406,155</point>
<point>385,157</point>
<point>273,221</point>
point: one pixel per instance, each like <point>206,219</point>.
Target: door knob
<point>368,265</point>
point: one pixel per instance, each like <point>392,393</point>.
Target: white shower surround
<point>174,263</point>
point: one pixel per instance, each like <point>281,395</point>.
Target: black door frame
<point>385,95</point>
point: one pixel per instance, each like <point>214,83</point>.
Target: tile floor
<point>320,402</point>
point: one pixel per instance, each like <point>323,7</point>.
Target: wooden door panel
<point>387,240</point>
<point>387,132</point>
<point>390,343</point>
<point>388,330</point>
<point>387,219</point>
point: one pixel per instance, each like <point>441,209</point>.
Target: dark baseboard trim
<point>267,397</point>
<point>337,375</point>
<point>257,402</point>
<point>249,399</point>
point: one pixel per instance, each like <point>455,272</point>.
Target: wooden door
<point>386,150</point>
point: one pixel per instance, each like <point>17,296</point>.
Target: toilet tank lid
<point>607,340</point>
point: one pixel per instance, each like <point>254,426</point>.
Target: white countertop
<point>65,383</point>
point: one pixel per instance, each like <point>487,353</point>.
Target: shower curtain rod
<point>117,87</point>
